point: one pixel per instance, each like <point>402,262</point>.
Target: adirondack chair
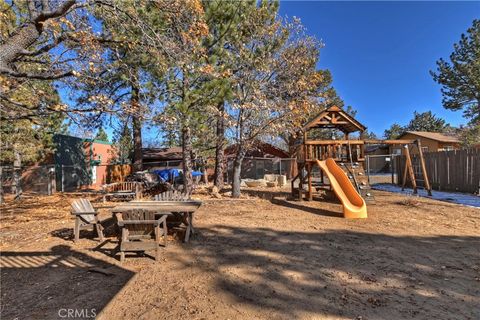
<point>172,195</point>
<point>179,217</point>
<point>85,216</point>
<point>137,227</point>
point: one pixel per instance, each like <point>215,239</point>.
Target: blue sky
<point>380,53</point>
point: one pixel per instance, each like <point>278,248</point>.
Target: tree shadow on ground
<point>39,285</point>
<point>341,273</point>
<point>267,194</point>
<point>299,206</point>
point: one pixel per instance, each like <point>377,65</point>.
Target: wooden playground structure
<point>348,153</point>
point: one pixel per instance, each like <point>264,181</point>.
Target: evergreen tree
<point>123,144</point>
<point>223,19</point>
<point>130,80</point>
<point>426,121</point>
<point>459,78</point>
<point>368,135</point>
<point>394,131</point>
<point>469,135</point>
<point>101,135</point>
<point>421,121</point>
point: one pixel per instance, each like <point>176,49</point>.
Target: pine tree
<point>223,19</point>
<point>123,144</point>
<point>394,131</point>
<point>102,135</point>
<point>459,78</point>
<point>426,121</point>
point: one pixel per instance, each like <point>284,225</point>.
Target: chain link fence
<point>381,169</point>
<point>35,179</point>
<point>257,168</point>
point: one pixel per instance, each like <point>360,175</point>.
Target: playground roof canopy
<point>335,118</point>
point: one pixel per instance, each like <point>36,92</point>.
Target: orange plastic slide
<point>353,204</point>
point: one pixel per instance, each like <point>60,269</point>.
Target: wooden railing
<point>339,151</point>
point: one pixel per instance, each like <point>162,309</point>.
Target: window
<point>397,151</point>
<point>448,148</point>
<point>424,149</point>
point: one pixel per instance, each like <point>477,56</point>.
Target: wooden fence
<point>456,170</point>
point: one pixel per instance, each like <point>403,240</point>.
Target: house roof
<point>440,137</point>
<point>374,147</point>
<point>87,140</point>
<point>174,153</point>
<point>335,118</point>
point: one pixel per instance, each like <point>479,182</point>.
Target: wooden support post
<point>309,177</point>
<point>368,169</point>
<point>424,168</point>
<point>300,183</point>
<point>404,178</point>
<point>409,169</point>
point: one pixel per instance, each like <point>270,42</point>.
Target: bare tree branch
<point>38,76</point>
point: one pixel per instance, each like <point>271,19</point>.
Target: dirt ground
<point>261,257</point>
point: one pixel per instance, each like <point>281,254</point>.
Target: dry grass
<point>260,257</point>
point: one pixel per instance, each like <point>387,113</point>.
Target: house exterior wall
<point>82,163</point>
<point>104,153</point>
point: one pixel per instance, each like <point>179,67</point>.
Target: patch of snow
<point>465,199</point>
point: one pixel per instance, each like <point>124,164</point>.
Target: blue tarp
<point>170,174</point>
<point>167,174</point>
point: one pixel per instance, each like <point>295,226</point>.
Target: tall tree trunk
<point>292,154</point>
<point>220,147</point>
<point>17,167</point>
<point>137,129</point>
<point>237,171</point>
<point>187,159</point>
<point>1,185</point>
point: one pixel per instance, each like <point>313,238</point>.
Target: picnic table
<point>165,208</point>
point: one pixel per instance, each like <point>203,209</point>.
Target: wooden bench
<point>85,216</point>
<point>122,190</point>
<point>137,227</point>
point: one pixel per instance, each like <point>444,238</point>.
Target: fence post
<point>392,164</point>
<point>53,176</point>
<point>368,169</point>
<point>49,182</point>
<point>63,179</point>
